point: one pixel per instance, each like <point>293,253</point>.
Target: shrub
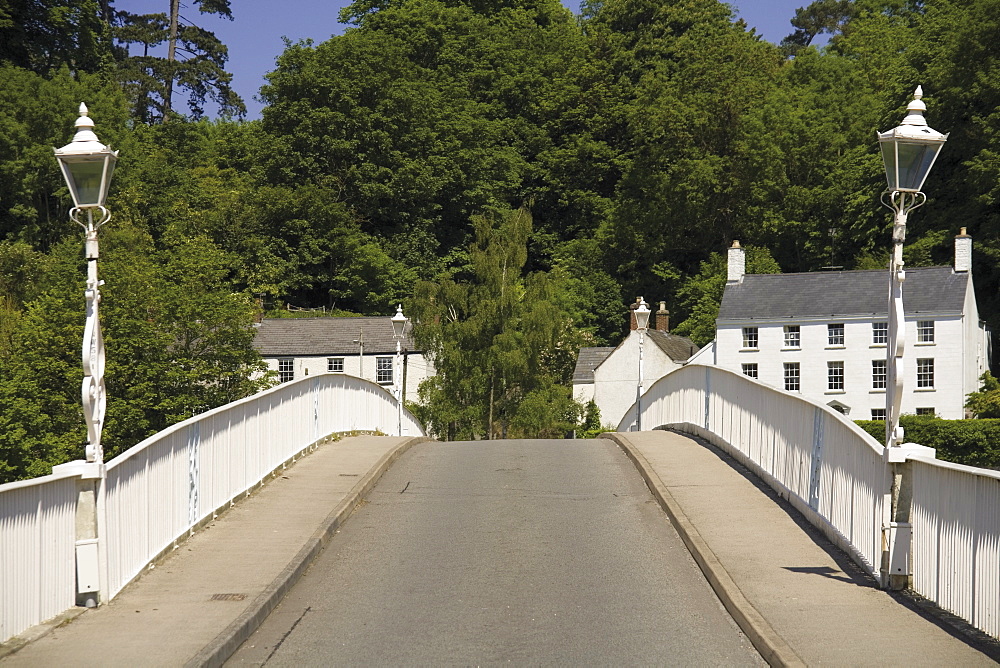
<point>969,442</point>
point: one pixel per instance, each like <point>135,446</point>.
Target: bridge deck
<point>814,604</point>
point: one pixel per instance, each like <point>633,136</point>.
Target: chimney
<point>737,263</point>
<point>633,325</point>
<point>663,318</point>
<point>963,252</point>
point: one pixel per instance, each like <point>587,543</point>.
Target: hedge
<point>970,442</point>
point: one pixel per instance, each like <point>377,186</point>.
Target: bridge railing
<point>838,477</point>
<point>37,546</point>
<point>956,539</point>
<point>824,464</point>
<point>163,488</point>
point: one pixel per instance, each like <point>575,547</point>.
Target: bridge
<point>795,516</point>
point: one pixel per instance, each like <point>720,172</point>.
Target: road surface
<point>503,552</point>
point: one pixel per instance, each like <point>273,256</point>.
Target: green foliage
<point>645,135</point>
<point>986,402</point>
<point>195,61</point>
<point>590,425</point>
<point>179,341</point>
<point>701,296</point>
<point>969,442</point>
<point>502,345</point>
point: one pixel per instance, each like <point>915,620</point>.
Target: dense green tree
<point>701,296</point>
<point>178,339</point>
<point>687,76</point>
<point>502,347</point>
<point>43,36</point>
<point>39,113</point>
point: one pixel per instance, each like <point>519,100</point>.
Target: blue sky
<point>254,36</point>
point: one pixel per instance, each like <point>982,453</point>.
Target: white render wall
<point>418,368</point>
<point>617,377</point>
<point>948,351</point>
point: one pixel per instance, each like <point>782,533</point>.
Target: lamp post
<point>87,166</point>
<point>641,321</point>
<point>908,151</point>
<point>398,325</point>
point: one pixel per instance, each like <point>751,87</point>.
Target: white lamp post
<point>909,152</point>
<point>398,325</point>
<point>87,166</point>
<point>641,321</point>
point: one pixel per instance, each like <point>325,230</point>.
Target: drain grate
<point>228,597</point>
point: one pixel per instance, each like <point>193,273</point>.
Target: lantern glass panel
<point>915,162</point>
<point>86,178</point>
<point>907,164</point>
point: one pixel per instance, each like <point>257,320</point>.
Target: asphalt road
<point>503,552</point>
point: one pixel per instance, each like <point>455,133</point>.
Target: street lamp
<point>398,325</point>
<point>641,322</point>
<point>909,152</point>
<point>87,166</point>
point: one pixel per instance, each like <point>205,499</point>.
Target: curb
<point>772,647</point>
<point>229,640</point>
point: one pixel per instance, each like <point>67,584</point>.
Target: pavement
<point>200,602</point>
<point>798,599</point>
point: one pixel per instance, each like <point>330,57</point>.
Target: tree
<point>501,344</point>
<point>820,16</point>
<point>195,61</point>
<point>40,113</point>
<point>986,402</point>
<point>701,295</point>
<point>687,76</point>
<point>43,36</point>
<point>178,338</point>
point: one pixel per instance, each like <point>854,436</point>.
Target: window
<point>750,370</point>
<point>792,376</point>
<point>750,338</point>
<point>383,370</point>
<point>286,369</point>
<point>925,331</point>
<point>792,336</point>
<point>835,375</point>
<point>925,373</point>
<point>835,334</point>
<point>335,364</point>
<point>878,375</point>
<point>926,411</point>
<point>880,333</point>
<point>878,414</point>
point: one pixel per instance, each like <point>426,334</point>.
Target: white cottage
<point>610,376</point>
<point>824,334</point>
<point>363,347</point>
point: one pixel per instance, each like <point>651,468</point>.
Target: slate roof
<point>301,337</point>
<point>677,348</point>
<point>587,360</point>
<point>833,294</point>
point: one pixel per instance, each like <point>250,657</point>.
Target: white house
<point>610,376</point>
<point>823,334</point>
<point>362,347</point>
